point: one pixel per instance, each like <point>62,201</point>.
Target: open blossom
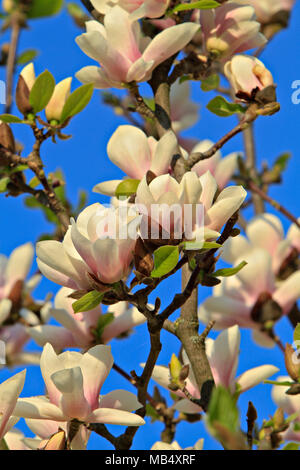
<point>245,298</point>
<point>266,9</point>
<point>247,75</point>
<point>223,355</point>
<point>138,8</point>
<point>183,111</point>
<point>159,445</point>
<point>78,329</point>
<point>73,383</point>
<point>230,29</point>
<point>164,193</point>
<point>9,394</point>
<point>131,150</point>
<point>290,404</point>
<point>123,53</point>
<point>97,248</point>
<point>222,169</point>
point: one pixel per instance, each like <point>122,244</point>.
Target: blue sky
<point>85,163</point>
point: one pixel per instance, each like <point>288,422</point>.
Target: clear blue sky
<point>85,163</point>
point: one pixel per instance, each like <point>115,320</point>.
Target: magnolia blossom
<point>247,75</point>
<point>137,8</point>
<point>223,355</point>
<point>266,9</point>
<point>290,404</point>
<point>97,248</point>
<point>131,150</point>
<point>124,54</point>
<point>78,330</point>
<point>9,393</point>
<point>175,446</point>
<point>230,29</point>
<point>183,111</point>
<point>240,299</point>
<point>60,95</point>
<point>222,169</point>
<point>73,383</point>
<point>164,195</point>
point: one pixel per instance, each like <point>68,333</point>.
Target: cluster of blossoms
<point>101,246</point>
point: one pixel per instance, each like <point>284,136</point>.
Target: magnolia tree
<point>178,208</point>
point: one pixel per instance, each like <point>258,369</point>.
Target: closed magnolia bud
<point>56,104</point>
<point>247,75</point>
<point>7,5</point>
<point>24,86</point>
<point>278,418</point>
<point>7,137</point>
<point>175,367</point>
<point>292,363</point>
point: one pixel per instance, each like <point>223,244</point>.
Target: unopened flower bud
<point>60,95</point>
<point>292,363</point>
<point>278,418</point>
<point>7,137</point>
<point>24,86</point>
<point>56,442</point>
<point>7,5</point>
<point>175,367</point>
<point>184,373</point>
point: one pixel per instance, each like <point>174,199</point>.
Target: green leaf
<point>42,91</point>
<point>40,8</point>
<point>152,413</point>
<point>227,272</point>
<point>210,83</point>
<point>127,187</point>
<point>3,184</point>
<point>201,5</point>
<point>3,445</point>
<point>282,161</point>
<point>165,259</point>
<point>88,301</point>
<point>77,101</point>
<point>9,118</point>
<point>200,245</point>
<point>33,203</point>
<point>222,409</point>
<point>103,321</point>
<point>223,108</point>
<point>17,169</point>
<point>273,382</point>
<point>297,335</point>
<point>27,56</point>
<point>291,446</point>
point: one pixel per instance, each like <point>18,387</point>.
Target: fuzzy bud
<point>292,365</point>
<point>7,137</point>
<point>24,86</point>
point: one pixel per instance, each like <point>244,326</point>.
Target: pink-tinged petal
<point>262,339</point>
<point>106,254</point>
<point>165,149</point>
<point>120,400</point>
<point>161,375</point>
<point>107,187</point>
<point>209,164</point>
<point>43,428</point>
<point>59,337</point>
<point>235,248</point>
<point>191,188</point>
<point>227,203</point>
<point>186,406</point>
<point>56,276</point>
<point>38,408</point>
<point>84,247</point>
<point>169,41</point>
<point>289,403</point>
<point>9,393</point>
<point>111,416</point>
<point>253,377</point>
<point>120,33</point>
<point>122,323</point>
<point>93,44</point>
<point>128,149</point>
<point>265,231</point>
<point>139,70</point>
<point>294,235</point>
<point>257,276</point>
<point>19,263</point>
<point>72,402</point>
<point>225,169</point>
<point>5,307</point>
<point>95,75</point>
<point>14,440</point>
<point>223,357</point>
<point>49,364</point>
<point>225,311</point>
<point>95,365</point>
<point>289,292</point>
<point>209,188</point>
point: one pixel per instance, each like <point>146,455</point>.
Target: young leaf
<point>227,272</point>
<point>223,108</point>
<point>88,301</point>
<point>165,259</point>
<point>283,384</point>
<point>3,184</point>
<point>42,91</point>
<point>77,101</point>
<point>200,5</point>
<point>201,245</point>
<point>9,118</point>
<point>27,56</point>
<point>210,83</point>
<point>291,446</point>
<point>42,8</point>
<point>103,321</point>
<point>222,409</point>
<point>297,335</point>
<point>127,187</point>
